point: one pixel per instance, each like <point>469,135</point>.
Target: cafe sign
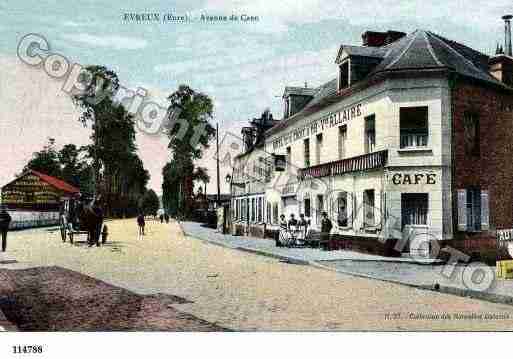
<point>319,125</point>
<point>419,178</point>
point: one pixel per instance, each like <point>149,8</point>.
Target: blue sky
<point>243,67</point>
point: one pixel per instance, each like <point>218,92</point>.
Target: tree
<point>69,164</point>
<point>74,167</point>
<point>150,203</point>
<point>189,137</point>
<point>45,161</point>
<point>118,174</point>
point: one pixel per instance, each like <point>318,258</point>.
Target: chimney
<point>501,65</point>
<point>507,34</point>
<point>377,38</point>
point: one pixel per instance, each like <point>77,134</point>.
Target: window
<point>343,78</point>
<point>288,159</point>
<point>320,207</point>
<point>260,209</point>
<point>414,207</point>
<point>368,208</point>
<point>307,207</point>
<point>243,214</point>
<point>342,137</point>
<point>268,212</point>
<point>342,209</point>
<point>414,126</point>
<point>370,133</point>
<point>306,144</point>
<point>473,209</point>
<point>471,134</point>
<point>318,148</point>
<point>275,213</point>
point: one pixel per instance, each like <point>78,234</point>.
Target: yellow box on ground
<point>505,269</point>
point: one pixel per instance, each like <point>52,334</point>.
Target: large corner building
<point>412,137</point>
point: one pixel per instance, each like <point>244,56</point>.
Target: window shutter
<point>462,209</point>
<point>485,212</point>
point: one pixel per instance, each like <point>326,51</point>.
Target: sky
<point>242,66</point>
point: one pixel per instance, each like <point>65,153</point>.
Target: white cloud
<point>112,41</point>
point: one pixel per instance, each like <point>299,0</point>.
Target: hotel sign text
<point>321,124</point>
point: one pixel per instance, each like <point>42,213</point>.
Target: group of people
<point>292,232</point>
<point>164,217</point>
<point>296,232</point>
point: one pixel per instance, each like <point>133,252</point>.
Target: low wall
<point>28,219</point>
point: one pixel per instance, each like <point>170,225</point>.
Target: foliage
<point>189,137</point>
<point>150,203</point>
<point>119,173</point>
<point>46,160</point>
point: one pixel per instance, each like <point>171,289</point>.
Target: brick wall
<point>492,169</point>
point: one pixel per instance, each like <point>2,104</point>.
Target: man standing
<point>5,220</point>
<point>326,227</point>
<point>141,223</point>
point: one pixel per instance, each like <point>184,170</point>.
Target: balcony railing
<point>414,140</point>
<point>354,164</point>
<point>289,189</point>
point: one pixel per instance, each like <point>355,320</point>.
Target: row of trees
<point>180,173</point>
<point>110,165</point>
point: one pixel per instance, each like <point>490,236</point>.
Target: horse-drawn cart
<point>82,216</point>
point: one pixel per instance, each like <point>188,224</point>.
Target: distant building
<point>34,198</point>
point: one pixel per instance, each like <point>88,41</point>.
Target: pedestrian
<point>5,220</point>
<point>161,218</point>
<point>303,228</point>
<point>292,221</point>
<point>326,227</point>
<point>282,237</point>
<point>141,223</point>
<point>166,217</point>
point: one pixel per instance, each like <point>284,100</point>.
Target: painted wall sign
<point>413,179</point>
<point>319,125</point>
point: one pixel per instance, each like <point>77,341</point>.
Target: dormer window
<point>343,78</point>
<point>295,99</point>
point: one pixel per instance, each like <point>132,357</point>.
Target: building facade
<point>34,199</point>
<point>406,150</point>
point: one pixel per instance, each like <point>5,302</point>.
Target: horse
<point>88,217</point>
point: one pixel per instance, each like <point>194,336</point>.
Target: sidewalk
<point>425,274</point>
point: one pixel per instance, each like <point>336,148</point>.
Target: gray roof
<point>418,51</point>
<point>368,51</point>
<point>426,50</point>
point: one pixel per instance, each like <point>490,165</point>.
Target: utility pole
<point>217,163</point>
